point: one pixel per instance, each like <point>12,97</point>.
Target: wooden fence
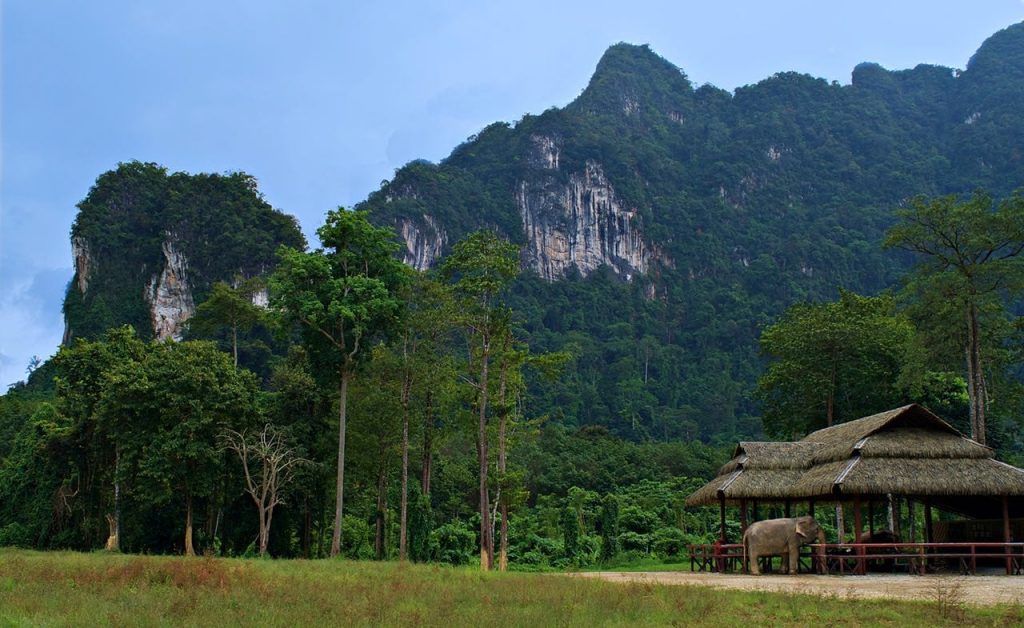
<point>861,558</point>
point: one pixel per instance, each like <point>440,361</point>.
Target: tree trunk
<point>403,515</point>
<point>975,376</point>
<point>378,540</point>
<point>428,444</point>
<point>114,521</point>
<point>189,549</point>
<point>264,530</point>
<point>234,343</point>
<point>485,512</point>
<point>339,486</point>
<point>307,525</point>
<point>502,465</point>
<point>113,542</point>
<point>830,403</point>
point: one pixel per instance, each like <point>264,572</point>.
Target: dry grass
<point>96,589</point>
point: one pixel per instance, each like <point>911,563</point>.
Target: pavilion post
<point>810,507</point>
<point>721,515</point>
<point>755,512</point>
<point>857,527</point>
<point>840,527</point>
<point>743,516</point>
<point>788,510</point>
<point>1006,534</point>
<point>871,517</point>
<point>890,511</point>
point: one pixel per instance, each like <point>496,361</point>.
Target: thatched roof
<point>906,451</point>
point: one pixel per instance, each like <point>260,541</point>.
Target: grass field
<point>61,588</point>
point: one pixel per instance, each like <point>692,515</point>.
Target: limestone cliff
<point>169,295</point>
<point>579,224</point>
<point>424,241</point>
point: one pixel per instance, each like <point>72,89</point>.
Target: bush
<point>355,538</point>
<point>669,542</point>
<point>453,543</point>
<point>633,542</point>
<point>16,535</point>
<point>635,519</point>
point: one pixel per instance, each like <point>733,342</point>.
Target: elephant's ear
<point>800,530</point>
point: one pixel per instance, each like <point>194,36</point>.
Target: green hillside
<point>748,202</point>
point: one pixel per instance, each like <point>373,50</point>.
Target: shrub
<point>453,543</point>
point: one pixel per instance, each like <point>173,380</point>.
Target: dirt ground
<point>977,590</point>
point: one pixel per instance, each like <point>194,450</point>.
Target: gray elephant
<point>780,537</point>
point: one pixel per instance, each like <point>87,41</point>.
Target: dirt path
<point>977,590</point>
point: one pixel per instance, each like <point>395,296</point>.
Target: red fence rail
<point>859,558</point>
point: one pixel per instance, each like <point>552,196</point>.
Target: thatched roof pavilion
<point>907,452</point>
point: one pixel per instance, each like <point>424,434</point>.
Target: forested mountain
<point>664,224</point>
<point>148,246</point>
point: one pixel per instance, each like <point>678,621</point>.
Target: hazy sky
<point>322,100</point>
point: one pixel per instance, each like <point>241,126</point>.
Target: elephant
<point>780,537</point>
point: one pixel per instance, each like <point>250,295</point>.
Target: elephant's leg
<point>755,564</point>
<point>794,559</point>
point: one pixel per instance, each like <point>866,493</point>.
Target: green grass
<point>61,588</point>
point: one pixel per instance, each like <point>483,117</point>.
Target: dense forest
<point>797,254</point>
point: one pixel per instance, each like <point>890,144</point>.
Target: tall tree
<point>343,296</point>
<point>228,307</point>
<point>832,362</point>
<point>420,352</point>
<point>970,254</point>
<point>481,266</point>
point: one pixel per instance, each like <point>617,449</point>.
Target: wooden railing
<point>859,558</point>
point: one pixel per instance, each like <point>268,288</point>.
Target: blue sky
<point>321,100</point>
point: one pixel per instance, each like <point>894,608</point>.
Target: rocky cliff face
<point>84,263</point>
<point>424,241</point>
<point>578,224</point>
<point>169,296</point>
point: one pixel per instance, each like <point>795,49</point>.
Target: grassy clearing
<point>95,589</point>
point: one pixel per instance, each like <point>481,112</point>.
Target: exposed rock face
<point>424,241</point>
<point>579,224</point>
<point>260,298</point>
<point>545,151</point>
<point>84,263</point>
<point>169,296</point>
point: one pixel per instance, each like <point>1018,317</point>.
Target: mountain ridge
<point>722,208</point>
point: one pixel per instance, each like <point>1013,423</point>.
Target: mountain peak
<point>1001,54</point>
<point>629,75</point>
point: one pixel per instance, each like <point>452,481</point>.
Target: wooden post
<point>871,517</point>
<point>856,519</point>
<point>810,507</point>
<point>743,516</point>
<point>721,511</point>
<point>857,527</point>
<point>890,511</point>
<point>788,513</point>
<point>840,524</point>
<point>1006,534</point>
